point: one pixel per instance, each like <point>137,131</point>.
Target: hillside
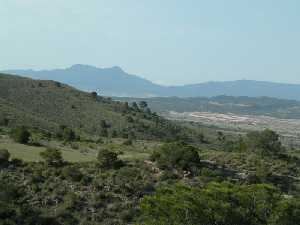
<point>48,105</point>
<point>116,82</point>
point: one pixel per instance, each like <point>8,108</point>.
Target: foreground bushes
<point>81,193</point>
<point>219,203</point>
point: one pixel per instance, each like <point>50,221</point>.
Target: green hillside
<point>47,105</point>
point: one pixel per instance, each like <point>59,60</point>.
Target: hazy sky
<point>166,41</point>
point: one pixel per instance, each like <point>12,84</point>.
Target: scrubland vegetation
<point>69,157</point>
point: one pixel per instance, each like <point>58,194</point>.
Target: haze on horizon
<point>169,42</point>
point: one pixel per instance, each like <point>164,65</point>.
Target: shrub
<point>217,203</point>
<point>17,162</point>
<point>135,106</point>
<point>103,124</point>
<point>94,94</point>
<point>4,156</point>
<point>286,213</point>
<point>114,134</point>
<point>73,173</point>
<point>177,156</point>
<point>20,135</point>
<point>143,104</point>
<point>265,142</point>
<point>52,157</point>
<point>129,119</point>
<point>69,135</point>
<point>99,141</point>
<point>66,134</point>
<point>74,146</point>
<point>107,159</point>
<point>127,142</point>
<point>103,132</point>
<point>4,121</point>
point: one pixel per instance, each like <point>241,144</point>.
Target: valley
<point>289,128</point>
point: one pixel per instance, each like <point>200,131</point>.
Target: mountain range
<point>116,82</point>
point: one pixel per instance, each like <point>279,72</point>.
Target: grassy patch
<point>84,152</point>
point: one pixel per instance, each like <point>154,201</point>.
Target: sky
<point>166,41</point>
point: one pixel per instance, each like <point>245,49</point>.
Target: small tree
<point>103,128</point>
<point>125,107</point>
<point>103,132</point>
<point>21,135</point>
<point>94,94</point>
<point>4,156</point>
<point>129,119</point>
<point>69,135</point>
<point>148,111</point>
<point>4,121</point>
<point>107,159</point>
<point>135,106</point>
<point>143,104</point>
<point>177,156</point>
<point>73,173</point>
<point>201,138</point>
<point>221,137</point>
<point>128,142</point>
<point>103,124</point>
<point>114,134</point>
<point>266,142</point>
<point>52,157</point>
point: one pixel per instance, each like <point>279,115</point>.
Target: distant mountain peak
<point>81,67</point>
<point>89,67</point>
<point>117,69</point>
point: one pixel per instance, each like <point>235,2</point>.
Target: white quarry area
<point>287,127</point>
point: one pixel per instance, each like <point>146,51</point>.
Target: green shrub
<point>74,146</point>
<point>127,142</point>
<point>177,156</point>
<point>4,156</point>
<point>103,132</point>
<point>17,162</point>
<point>73,173</point>
<point>129,119</point>
<point>265,142</point>
<point>20,135</point>
<point>4,121</point>
<point>69,135</point>
<point>286,213</point>
<point>143,104</point>
<point>52,157</point>
<point>94,94</point>
<point>107,159</point>
<point>217,203</point>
